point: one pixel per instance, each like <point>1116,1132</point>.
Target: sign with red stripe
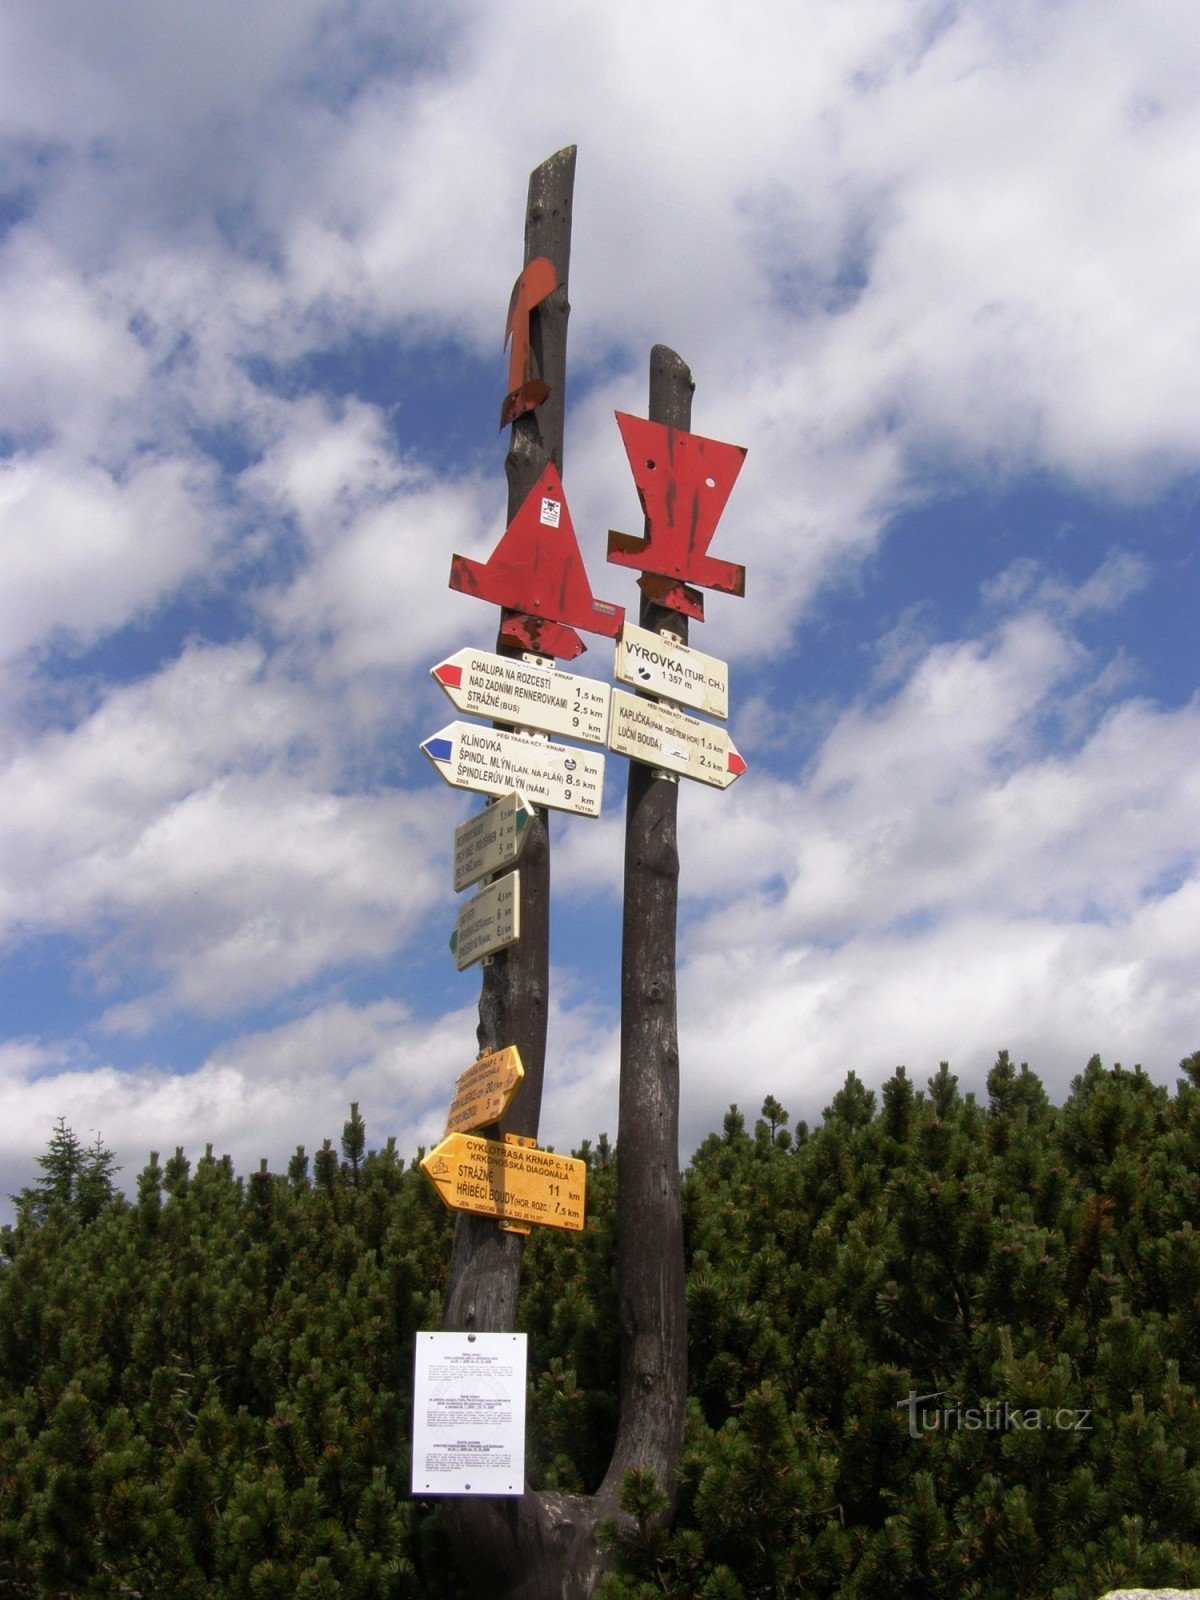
<point>526,694</point>
<point>663,736</point>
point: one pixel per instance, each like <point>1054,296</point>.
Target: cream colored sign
<point>483,1091</point>
<point>663,666</point>
<point>509,1181</point>
<point>507,689</point>
<point>488,921</point>
<point>658,734</point>
<point>491,840</point>
<point>493,761</point>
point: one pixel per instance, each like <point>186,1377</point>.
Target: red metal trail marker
<point>683,481</point>
<point>526,391</point>
<point>536,574</point>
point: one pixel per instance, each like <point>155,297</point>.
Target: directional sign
<point>484,1090</point>
<point>509,690</point>
<point>491,761</point>
<point>661,736</point>
<point>491,840</point>
<point>663,666</point>
<point>507,1180</point>
<point>489,921</point>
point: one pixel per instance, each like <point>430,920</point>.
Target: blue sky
<point>933,265</point>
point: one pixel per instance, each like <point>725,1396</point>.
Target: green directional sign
<point>491,840</point>
<point>489,921</point>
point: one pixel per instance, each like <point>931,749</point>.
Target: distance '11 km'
<point>509,1181</point>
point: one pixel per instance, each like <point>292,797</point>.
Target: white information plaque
<point>468,1432</point>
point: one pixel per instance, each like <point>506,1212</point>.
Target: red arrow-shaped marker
<point>683,481</point>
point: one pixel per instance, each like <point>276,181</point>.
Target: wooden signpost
<point>528,694</point>
<point>546,1547</point>
<point>493,761</point>
<point>509,1181</point>
<point>484,1091</point>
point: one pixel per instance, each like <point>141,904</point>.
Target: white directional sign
<point>661,736</point>
<point>664,666</point>
<point>491,840</point>
<point>493,761</point>
<point>488,921</point>
<point>508,689</point>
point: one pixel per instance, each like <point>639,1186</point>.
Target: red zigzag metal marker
<point>683,481</point>
<point>526,392</point>
<point>536,574</point>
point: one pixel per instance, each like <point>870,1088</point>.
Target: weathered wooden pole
<point>518,1549</point>
<point>542,1545</point>
<point>650,1271</point>
<point>485,1263</point>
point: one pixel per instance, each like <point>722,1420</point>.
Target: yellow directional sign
<point>509,1181</point>
<point>484,1090</point>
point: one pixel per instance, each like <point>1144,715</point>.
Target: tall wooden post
<point>650,1271</point>
<point>518,1549</point>
<point>542,1545</point>
<point>485,1264</point>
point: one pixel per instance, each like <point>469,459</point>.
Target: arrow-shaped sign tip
<point>438,748</point>
<point>736,764</point>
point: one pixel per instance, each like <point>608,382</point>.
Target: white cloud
<point>194,825</point>
<point>381,533</point>
<point>793,1022</point>
<point>1120,575</point>
<point>142,70</point>
<point>952,794</point>
<point>891,240</point>
<point>69,356</point>
<point>947,879</point>
<point>259,1095</point>
<point>262,1093</point>
<point>85,550</point>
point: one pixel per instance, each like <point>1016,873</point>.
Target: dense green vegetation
<point>204,1391</point>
